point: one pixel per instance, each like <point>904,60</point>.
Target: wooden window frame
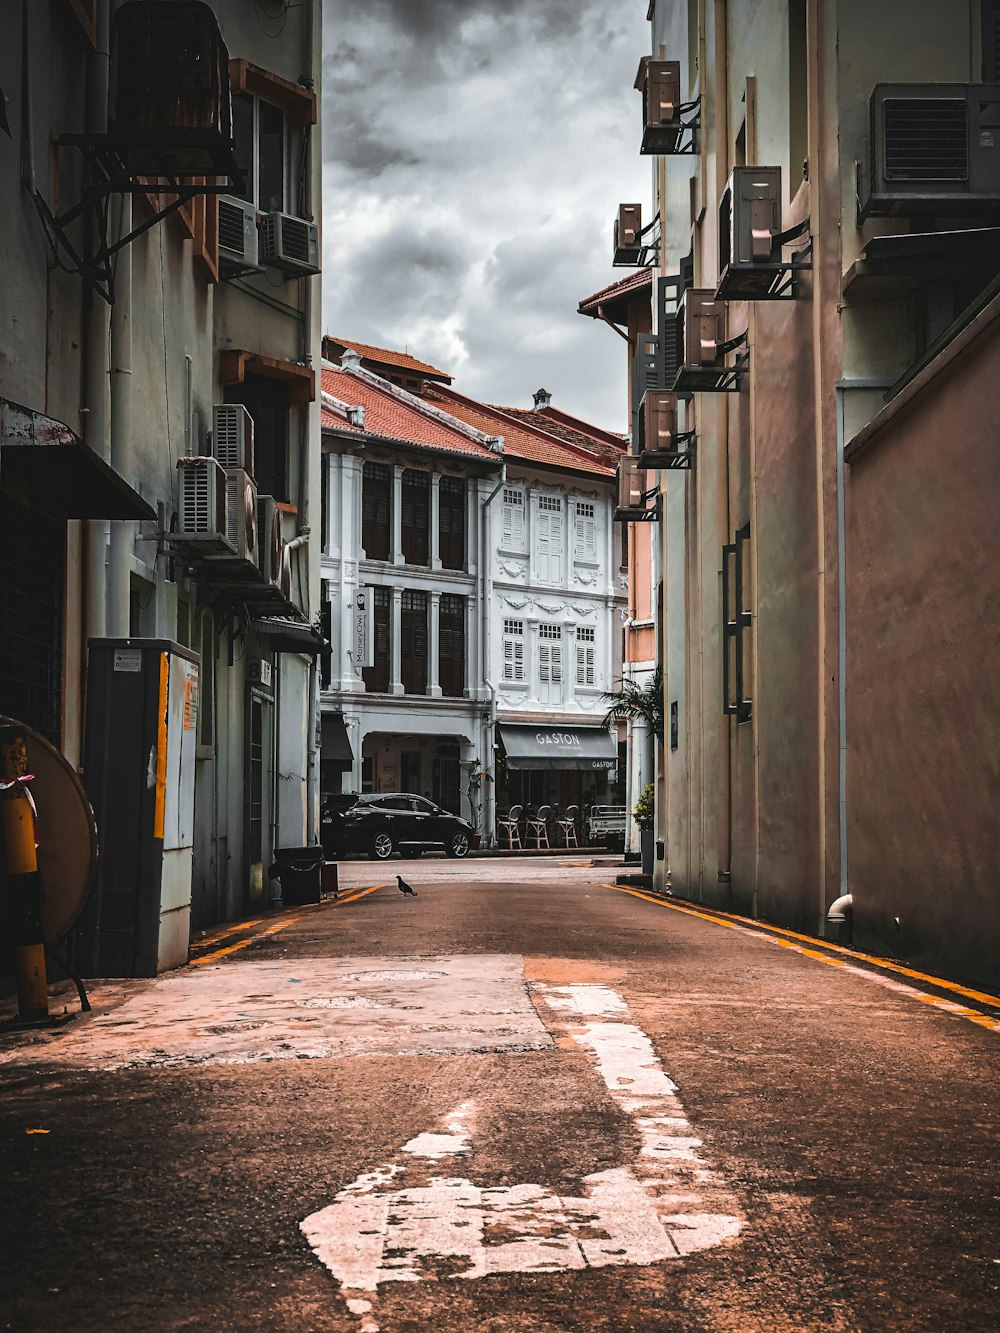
<point>452,646</point>
<point>377,676</point>
<point>413,629</point>
<point>452,537</point>
<point>370,474</point>
<point>414,530</point>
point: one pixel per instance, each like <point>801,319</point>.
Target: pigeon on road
<point>404,887</point>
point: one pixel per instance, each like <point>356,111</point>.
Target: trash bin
<point>299,871</point>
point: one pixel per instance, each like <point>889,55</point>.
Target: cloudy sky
<point>475,154</point>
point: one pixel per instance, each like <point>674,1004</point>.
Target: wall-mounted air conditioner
<point>237,237</point>
<point>702,347</point>
<point>661,443</point>
<point>751,262</point>
<point>269,541</point>
<point>659,81</point>
<point>289,243</point>
<point>232,436</point>
<point>628,230</point>
<point>631,507</point>
<point>241,514</point>
<point>203,519</point>
<point>935,148</point>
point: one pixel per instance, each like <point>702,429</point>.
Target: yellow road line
<point>216,954</point>
<point>769,932</point>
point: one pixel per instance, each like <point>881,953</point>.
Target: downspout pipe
<point>489,804</point>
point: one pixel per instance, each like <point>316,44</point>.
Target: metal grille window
<point>415,518</point>
<point>376,511</point>
<point>586,660</point>
<point>737,627</point>
<point>413,642</point>
<point>32,557</point>
<point>376,677</point>
<point>513,651</point>
<point>451,523</point>
<point>585,530</point>
<point>513,519</point>
<point>451,646</point>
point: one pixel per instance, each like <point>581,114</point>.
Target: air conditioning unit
<point>935,148</point>
<point>269,541</point>
<point>631,507</point>
<point>749,233</point>
<point>241,514</point>
<point>628,229</point>
<point>659,81</point>
<point>232,436</point>
<point>203,519</point>
<point>701,331</point>
<point>289,243</point>
<point>658,431</point>
<point>237,237</point>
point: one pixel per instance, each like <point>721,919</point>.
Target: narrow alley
<point>519,1099</point>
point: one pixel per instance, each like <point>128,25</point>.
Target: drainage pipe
<point>489,748</point>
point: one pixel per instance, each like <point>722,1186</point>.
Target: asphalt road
<point>520,1100</point>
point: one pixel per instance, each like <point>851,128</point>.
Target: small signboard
<point>363,637</point>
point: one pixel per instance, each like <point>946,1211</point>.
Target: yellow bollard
<point>24,883</point>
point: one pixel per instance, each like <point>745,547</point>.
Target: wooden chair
<point>567,824</point>
<point>538,827</point>
<point>509,824</point>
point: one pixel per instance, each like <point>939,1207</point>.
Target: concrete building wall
<point>923,604</point>
<point>170,330</point>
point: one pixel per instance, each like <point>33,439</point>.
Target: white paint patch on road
<point>307,1008</point>
<point>414,1221</point>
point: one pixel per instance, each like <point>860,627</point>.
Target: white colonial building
<point>473,584</point>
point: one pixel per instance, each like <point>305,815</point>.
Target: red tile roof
<point>530,442</point>
<point>624,289</point>
<point>385,357</point>
<point>392,418</point>
<point>571,430</point>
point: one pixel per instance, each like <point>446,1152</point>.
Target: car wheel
<point>411,853</point>
<point>457,844</point>
<point>381,846</point>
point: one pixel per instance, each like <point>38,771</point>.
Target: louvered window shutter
<point>544,662</point>
<point>556,667</point>
<point>544,545</point>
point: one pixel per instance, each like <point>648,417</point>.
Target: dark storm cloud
<point>475,153</point>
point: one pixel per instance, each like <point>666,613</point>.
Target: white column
<point>396,550</point>
<point>434,545</point>
<point>434,647</point>
<point>473,651</point>
<point>395,643</point>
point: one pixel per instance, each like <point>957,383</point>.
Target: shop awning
<point>335,752</point>
<point>51,462</point>
<point>290,636</point>
<point>581,749</point>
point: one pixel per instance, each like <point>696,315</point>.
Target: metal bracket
<point>108,171</point>
<point>644,255</point>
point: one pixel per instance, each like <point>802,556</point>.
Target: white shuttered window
<point>512,519</point>
<point>513,651</point>
<point>550,663</point>
<point>585,531</point>
<point>549,539</point>
<point>586,666</point>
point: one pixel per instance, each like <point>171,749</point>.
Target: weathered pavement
<point>533,1105</point>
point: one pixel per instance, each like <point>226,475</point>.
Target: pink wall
<point>923,676</point>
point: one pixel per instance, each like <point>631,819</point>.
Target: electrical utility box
<point>139,768</point>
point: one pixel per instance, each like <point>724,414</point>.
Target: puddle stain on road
<point>413,1220</point>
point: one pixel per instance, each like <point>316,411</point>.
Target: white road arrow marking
<point>409,1221</point>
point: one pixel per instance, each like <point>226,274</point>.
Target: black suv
<point>382,823</point>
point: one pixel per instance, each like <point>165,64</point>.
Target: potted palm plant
<point>644,814</point>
